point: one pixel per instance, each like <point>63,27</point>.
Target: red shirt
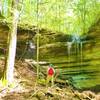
<point>50,71</point>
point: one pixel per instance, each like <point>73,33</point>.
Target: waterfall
<point>78,47</point>
<point>81,51</point>
<point>69,46</point>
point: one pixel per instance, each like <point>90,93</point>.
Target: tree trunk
<point>12,40</point>
<point>0,8</point>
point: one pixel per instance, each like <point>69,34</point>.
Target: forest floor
<point>25,87</point>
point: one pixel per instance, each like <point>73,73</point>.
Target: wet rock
<point>40,95</point>
<point>97,97</point>
<point>33,98</point>
<point>89,94</point>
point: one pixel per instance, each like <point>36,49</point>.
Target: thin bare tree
<point>8,74</point>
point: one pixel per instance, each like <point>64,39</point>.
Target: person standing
<point>50,74</point>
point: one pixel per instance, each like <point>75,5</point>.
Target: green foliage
<point>67,16</point>
<point>3,82</point>
<point>42,81</point>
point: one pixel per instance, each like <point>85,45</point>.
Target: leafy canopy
<point>66,16</point>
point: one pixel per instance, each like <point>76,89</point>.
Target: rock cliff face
<point>95,30</point>
<point>78,60</point>
<point>23,37</point>
<point>91,56</point>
